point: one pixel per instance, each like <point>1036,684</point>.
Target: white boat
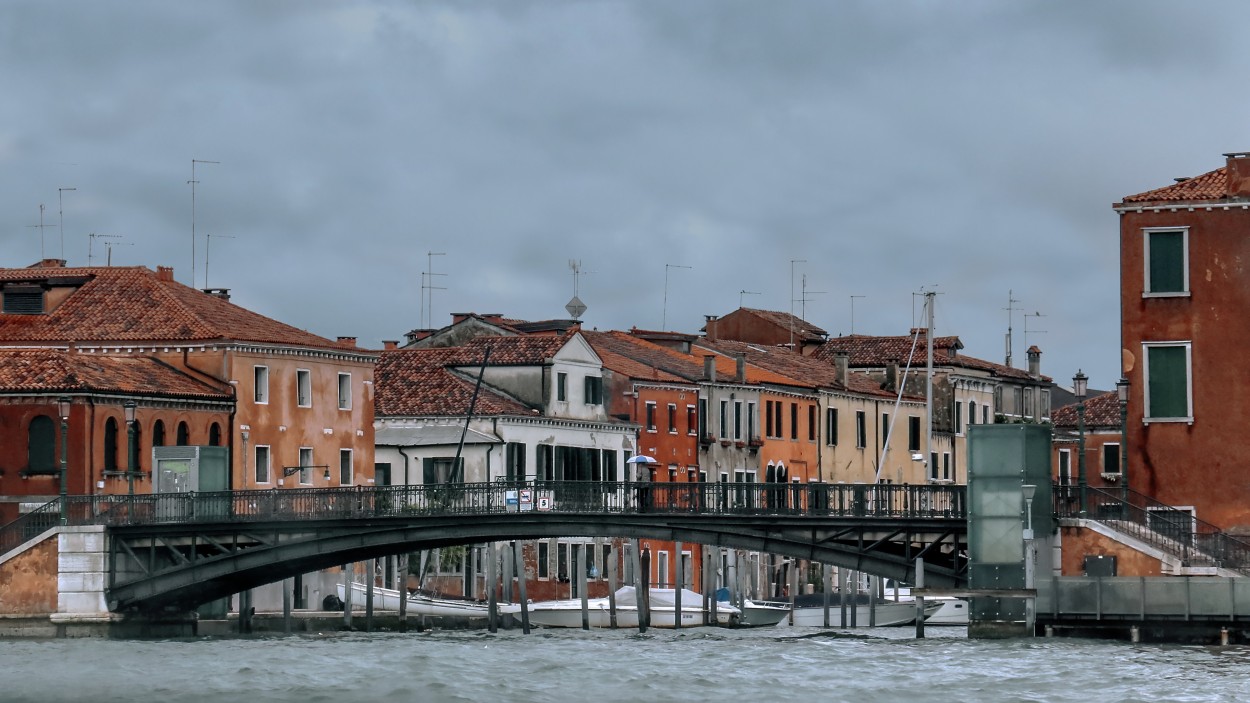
<point>758,613</point>
<point>423,603</point>
<point>663,610</point>
<point>953,611</point>
<point>811,613</point>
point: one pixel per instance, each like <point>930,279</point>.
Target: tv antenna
<point>1011,302</point>
<point>60,208</point>
<point>664,314</point>
<point>193,182</point>
<point>576,307</point>
<point>744,292</point>
<point>853,297</point>
<point>109,246</point>
<point>803,297</point>
<point>1027,315</point>
<point>208,243</point>
<point>91,241</point>
<point>41,226</point>
<point>792,263</point>
<point>427,283</point>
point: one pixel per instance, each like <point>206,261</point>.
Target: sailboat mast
<point>928,381</point>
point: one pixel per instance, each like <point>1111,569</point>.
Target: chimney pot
<point>741,359</point>
<point>165,273</point>
<point>709,367</point>
<point>389,344</point>
<point>348,342</point>
<point>841,364</point>
<point>1238,168</point>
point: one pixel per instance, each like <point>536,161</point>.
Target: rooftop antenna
<point>664,315</point>
<point>61,212</point>
<point>803,297</point>
<point>41,225</point>
<point>208,244</point>
<point>853,297</point>
<point>91,240</point>
<point>744,292</point>
<point>109,246</point>
<point>427,283</point>
<point>1011,302</point>
<point>193,182</point>
<point>575,306</point>
<point>1027,315</point>
<point>792,263</point>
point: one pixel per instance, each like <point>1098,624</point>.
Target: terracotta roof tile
<point>802,328</point>
<point>56,371</point>
<point>879,351</point>
<point>642,360</point>
<point>418,382</point>
<point>524,350</point>
<point>1209,186</point>
<point>1101,411</point>
<point>134,304</point>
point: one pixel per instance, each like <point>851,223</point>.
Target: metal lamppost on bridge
<point>1030,605</point>
<point>1121,388</point>
<point>1080,383</point>
<point>63,405</point>
<point>130,406</point>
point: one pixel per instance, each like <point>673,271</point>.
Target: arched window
<point>41,446</point>
<point>214,435</point>
<point>110,444</point>
<point>158,434</point>
<point>138,448</point>
<point>183,434</point>
<point>770,474</point>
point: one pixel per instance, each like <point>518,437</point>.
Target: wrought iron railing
<point>1176,532</point>
<point>812,499</point>
<point>29,525</point>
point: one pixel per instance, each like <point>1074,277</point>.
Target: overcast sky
<point>870,149</point>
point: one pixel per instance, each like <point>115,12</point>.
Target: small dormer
<point>22,298</point>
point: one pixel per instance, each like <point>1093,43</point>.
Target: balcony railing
<point>812,499</point>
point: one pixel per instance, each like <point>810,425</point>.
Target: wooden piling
<point>581,585</point>
<point>372,566</point>
<point>917,584</point>
<point>525,606</point>
<point>492,603</point>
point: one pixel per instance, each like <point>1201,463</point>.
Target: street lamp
<point>1030,606</point>
<point>129,407</point>
<point>1121,388</point>
<point>63,405</point>
<point>1080,383</point>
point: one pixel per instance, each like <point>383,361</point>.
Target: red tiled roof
<point>134,304</point>
<point>641,360</point>
<point>1101,411</point>
<point>417,382</point>
<point>525,350</point>
<point>55,371</point>
<point>879,351</point>
<point>804,370</point>
<point>1209,186</point>
<point>802,328</point>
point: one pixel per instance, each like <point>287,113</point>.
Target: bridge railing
<point>823,499</point>
<point>30,525</point>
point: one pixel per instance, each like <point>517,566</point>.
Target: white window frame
<point>305,470</point>
<point>260,384</point>
<point>351,467</point>
<point>303,388</point>
<point>1103,458</point>
<point>649,419</point>
<point>1064,469</point>
<point>345,399</point>
<point>672,418</point>
<point>268,467</point>
<point>1146,292</point>
<point>662,569</point>
<point>1189,381</point>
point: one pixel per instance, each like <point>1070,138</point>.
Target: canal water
<point>555,666</point>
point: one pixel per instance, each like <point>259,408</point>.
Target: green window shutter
<point>1169,382</point>
<point>428,475</point>
<point>1167,262</point>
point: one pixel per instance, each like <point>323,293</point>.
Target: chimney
<point>709,327</point>
<point>841,364</point>
<point>891,375</point>
<point>347,342</point>
<point>1035,361</point>
<point>1238,174</point>
<point>741,358</point>
<point>165,273</point>
<point>390,344</point>
<point>458,317</point>
<point>49,264</point>
<point>709,368</point>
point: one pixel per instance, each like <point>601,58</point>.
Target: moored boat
<point>662,602</point>
<point>809,611</point>
<point>421,603</point>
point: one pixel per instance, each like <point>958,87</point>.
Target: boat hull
<point>887,614</point>
<point>423,605</point>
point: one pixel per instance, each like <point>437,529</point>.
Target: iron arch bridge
<point>183,549</point>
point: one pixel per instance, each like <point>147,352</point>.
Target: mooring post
<point>492,603</point>
<point>349,576</point>
<point>613,583</point>
<point>681,583</point>
<point>844,584</point>
<point>402,584</point>
<point>286,606</point>
<point>826,583</point>
<point>372,564</point>
<point>581,585</point>
<point>709,587</point>
<point>919,583</point>
<point>642,577</point>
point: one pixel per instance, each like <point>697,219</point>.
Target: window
<point>933,466</point>
<point>41,446</point>
<point>703,418</point>
<point>303,388</point>
<point>515,462</point>
<point>261,384</point>
<point>885,429</point>
<point>831,427</point>
<point>861,429</point>
<point>1029,409</point>
<point>946,466</point>
<point>544,560</point>
<point>26,300</point>
<point>262,463</point>
<point>672,418</point>
<point>768,419</point>
<point>214,435</point>
<point>650,416</point>
<point>724,419</point>
<point>594,390</point>
<point>158,434</point>
<point>608,465</point>
<point>794,420</point>
<point>1167,262</point>
<point>738,419</point>
<point>305,461</point>
<point>110,444</point>
<point>345,467</point>
<point>184,435</point>
<point>972,412</point>
<point>692,420</point>
<point>1111,459</point>
<point>562,386</point>
<point>442,470</point>
<point>1167,372</point>
<point>661,564</point>
<point>913,433</point>
<point>345,391</point>
<point>985,414</point>
<point>959,417</point>
<point>1065,467</point>
<point>753,430</point>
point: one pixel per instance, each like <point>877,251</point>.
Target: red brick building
<point>1184,301</point>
